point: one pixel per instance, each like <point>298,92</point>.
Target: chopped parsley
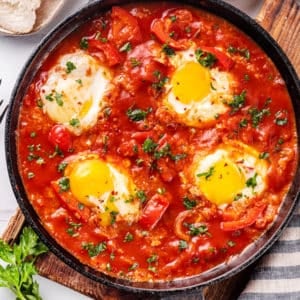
<point>207,174</point>
<point>64,184</point>
<point>182,245</point>
<point>149,146</point>
<point>72,230</point>
<point>141,195</point>
<point>128,237</point>
<point>61,167</point>
<point>58,99</point>
<point>133,266</point>
<point>84,44</point>
<point>137,114</point>
<point>113,217</point>
<point>189,203</point>
<point>264,155</point>
<point>281,118</point>
<point>32,134</point>
<point>74,122</point>
<point>134,62</point>
<point>258,115</point>
<point>206,59</point>
<point>241,51</point>
<point>49,97</point>
<point>173,18</point>
<point>168,50</point>
<point>243,123</point>
<point>94,250</point>
<point>197,230</point>
<point>79,81</point>
<point>70,67</point>
<point>126,47</point>
<point>161,81</point>
<point>238,101</point>
<point>251,182</point>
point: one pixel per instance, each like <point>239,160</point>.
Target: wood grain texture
<point>281,18</point>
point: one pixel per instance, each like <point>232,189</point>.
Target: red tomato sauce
<point>177,233</point>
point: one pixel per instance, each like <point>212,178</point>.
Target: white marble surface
<point>13,55</point>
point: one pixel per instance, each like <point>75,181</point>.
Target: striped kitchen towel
<point>277,275</point>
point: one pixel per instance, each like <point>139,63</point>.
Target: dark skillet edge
<point>190,285</point>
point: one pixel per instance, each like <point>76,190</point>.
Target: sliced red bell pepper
<point>225,61</point>
<point>110,51</point>
<point>153,211</point>
<point>160,28</point>
<point>246,221</point>
<point>124,27</point>
<point>67,198</point>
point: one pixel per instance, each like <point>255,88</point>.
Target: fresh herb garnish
<point>264,155</point>
<point>238,101</point>
<point>197,230</point>
<point>207,174</point>
<point>84,44</point>
<point>58,99</point>
<point>141,195</point>
<point>206,59</point>
<point>173,18</point>
<point>128,237</point>
<point>251,182</point>
<point>168,50</point>
<point>61,167</point>
<point>149,146</point>
<point>182,245</point>
<point>64,184</point>
<point>17,275</point>
<point>137,114</point>
<point>74,122</point>
<point>94,250</point>
<point>189,203</point>
<point>281,118</point>
<point>70,67</point>
<point>258,115</point>
<point>126,47</point>
<point>134,62</point>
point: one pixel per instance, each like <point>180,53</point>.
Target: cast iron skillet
<point>238,263</point>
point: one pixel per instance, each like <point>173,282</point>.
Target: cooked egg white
<point>75,91</point>
<point>196,94</point>
<point>103,185</point>
<point>231,172</point>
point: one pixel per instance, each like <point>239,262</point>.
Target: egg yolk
<point>191,83</point>
<point>90,179</point>
<point>222,182</point>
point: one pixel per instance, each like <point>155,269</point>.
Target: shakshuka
<point>156,142</point>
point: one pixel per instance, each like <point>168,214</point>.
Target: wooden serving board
<point>281,18</point>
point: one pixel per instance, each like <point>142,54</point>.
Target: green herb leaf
<point>200,230</point>
<point>84,44</point>
<point>58,99</point>
<point>238,101</point>
<point>94,250</point>
<point>134,62</point>
<point>281,117</point>
<point>126,47</point>
<point>74,122</point>
<point>141,195</point>
<point>168,50</point>
<point>137,114</point>
<point>128,237</point>
<point>264,155</point>
<point>251,182</point>
<point>182,245</point>
<point>258,115</point>
<point>149,146</point>
<point>189,203</point>
<point>64,184</point>
<point>206,59</point>
<point>207,174</point>
<point>17,275</point>
<point>70,67</point>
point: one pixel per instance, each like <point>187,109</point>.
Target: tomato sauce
<point>177,233</point>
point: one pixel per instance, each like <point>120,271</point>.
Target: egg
<point>75,91</point>
<point>231,172</point>
<point>103,185</point>
<point>196,95</point>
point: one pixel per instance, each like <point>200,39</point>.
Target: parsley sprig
<point>17,275</point>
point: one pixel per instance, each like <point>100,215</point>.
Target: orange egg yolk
<point>222,182</point>
<point>191,83</point>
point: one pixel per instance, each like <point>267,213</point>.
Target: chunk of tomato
<point>246,221</point>
<point>111,54</point>
<point>154,210</point>
<point>60,136</point>
<point>124,27</point>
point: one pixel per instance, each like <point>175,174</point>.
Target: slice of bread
<point>18,16</point>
